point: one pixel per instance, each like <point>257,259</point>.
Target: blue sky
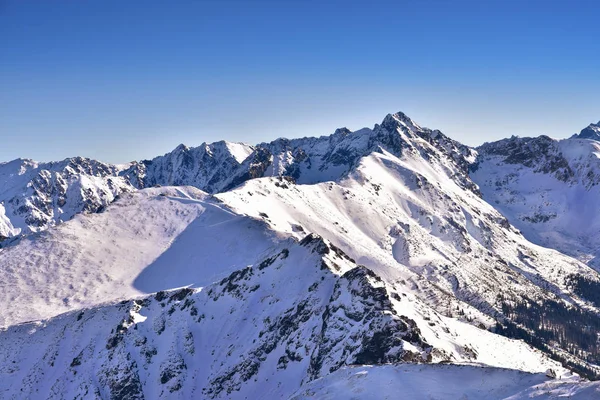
<point>125,80</point>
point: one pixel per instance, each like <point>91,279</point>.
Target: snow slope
<point>433,382</point>
<point>546,188</point>
<point>301,313</point>
<point>146,241</point>
<point>415,221</point>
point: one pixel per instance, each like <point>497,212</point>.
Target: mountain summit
<point>592,131</point>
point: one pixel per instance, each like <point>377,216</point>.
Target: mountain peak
<point>181,147</point>
<point>401,116</point>
<point>391,122</point>
<point>342,131</point>
<point>592,131</point>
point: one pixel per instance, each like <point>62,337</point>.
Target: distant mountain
<point>549,189</point>
<point>209,167</point>
<point>592,131</point>
<point>35,196</point>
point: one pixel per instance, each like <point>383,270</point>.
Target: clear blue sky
<point>123,80</point>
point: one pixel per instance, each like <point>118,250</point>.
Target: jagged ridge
<point>37,196</point>
<point>226,338</point>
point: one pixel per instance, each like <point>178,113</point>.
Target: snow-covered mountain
<point>592,131</point>
<point>208,167</point>
<point>276,270</point>
<point>416,222</point>
<point>35,196</point>
<point>304,311</point>
<point>549,189</point>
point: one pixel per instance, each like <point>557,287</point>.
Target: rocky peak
<point>16,165</point>
<point>342,131</point>
<point>183,148</point>
<point>401,123</point>
<point>208,166</point>
<point>541,153</point>
<point>37,196</point>
<point>392,122</point>
<point>592,131</point>
<point>398,134</point>
<point>277,145</point>
<point>397,122</point>
<point>83,165</point>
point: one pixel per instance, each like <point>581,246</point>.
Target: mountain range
<point>361,264</point>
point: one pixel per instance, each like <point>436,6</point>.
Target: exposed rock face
<point>542,154</point>
<point>367,330</point>
<point>208,166</point>
<point>546,188</point>
<point>592,131</point>
<point>36,196</point>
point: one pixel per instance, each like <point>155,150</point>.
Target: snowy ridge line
<point>226,339</point>
<point>128,361</point>
<point>145,242</point>
<point>35,196</point>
